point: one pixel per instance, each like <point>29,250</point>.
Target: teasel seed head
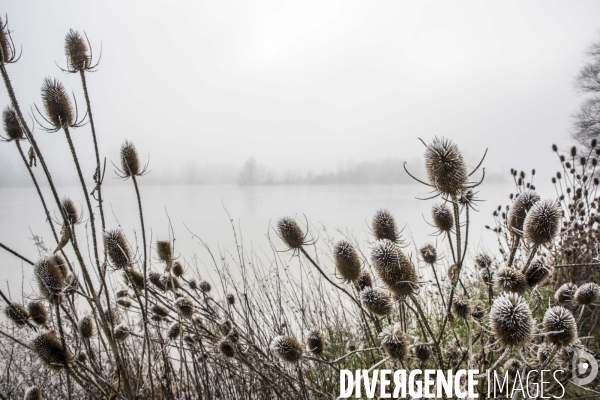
<point>230,299</point>
<point>287,349</point>
<point>50,278</point>
<point>510,280</point>
<point>290,232</point>
<point>512,367</point>
<point>224,326</point>
<point>170,282</point>
<point>134,278</point>
<point>122,332</point>
<point>12,127</point>
<point>394,342</point>
<point>422,351</point>
<point>117,248</point>
<point>561,321</point>
<point>315,342</point>
<point>394,269</point>
<point>520,207</point>
<point>376,300</point>
<point>461,307</point>
<point>76,51</point>
<point>511,321</point>
<point>193,284</point>
<point>538,273</point>
<point>384,226</point>
<point>347,263</point>
<point>62,264</point>
<point>587,293</point>
<point>159,310</point>
<point>351,345</point>
<point>123,302</point>
<point>111,317</point>
<point>226,348</point>
<point>37,312</point>
<point>70,210</point>
<point>165,252</point>
<point>155,278</point>
<point>82,357</point>
<point>86,327</point>
<point>123,292</point>
<point>185,306</point>
<point>429,253</point>
<point>478,310</point>
<point>33,393</point>
<point>174,331</point>
<point>59,109</point>
<point>453,273</point>
<point>443,217</point>
<point>50,351</point>
<point>483,260</point>
<point>130,161</point>
<point>543,352</point>
<point>189,339</point>
<point>177,269</point>
<point>364,280</point>
<point>17,313</point>
<point>204,286</point>
<point>542,223</point>
<point>446,169</point>
<point>565,293</point>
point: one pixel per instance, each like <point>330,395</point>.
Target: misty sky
<point>309,84</point>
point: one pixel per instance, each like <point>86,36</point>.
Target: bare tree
<point>586,122</point>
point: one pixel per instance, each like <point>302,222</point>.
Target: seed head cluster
<point>520,207</point>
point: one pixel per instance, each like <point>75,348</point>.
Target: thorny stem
<point>11,251</point>
<point>64,346</point>
<point>429,331</point>
<point>533,251</point>
<point>513,251</point>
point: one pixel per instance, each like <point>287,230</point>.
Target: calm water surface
<point>253,209</point>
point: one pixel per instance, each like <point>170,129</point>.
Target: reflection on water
<point>253,210</point>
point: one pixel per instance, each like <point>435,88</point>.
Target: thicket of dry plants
<point>103,324</point>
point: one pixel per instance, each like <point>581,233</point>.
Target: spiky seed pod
<point>287,349</point>
<point>165,251</point>
<point>461,307</point>
<point>422,351</point>
<point>520,207</point>
<point>443,217</point>
<point>117,248</point>
<point>76,51</point>
<point>170,282</point>
<point>50,278</point>
<point>62,264</point>
<point>12,127</point>
<point>587,293</point>
<point>177,269</point>
<point>125,303</point>
<point>123,292</point>
<point>453,273</point>
<point>226,348</point>
<point>376,300</point>
<point>290,232</point>
<point>184,306</point>
<point>347,263</point>
<point>429,254</point>
<point>155,278</point>
<point>174,331</point>
<point>364,280</point>
<point>538,273</point>
<point>204,286</point>
<point>17,313</point>
<point>59,109</point>
<point>70,210</point>
<point>384,226</point>
<point>487,276</point>
<point>510,320</point>
<point>130,161</point>
<point>445,167</point>
<point>86,327</point>
<point>510,280</point>
<point>394,342</point>
<point>351,345</point>
<point>512,367</point>
<point>230,299</point>
<point>33,393</point>
<point>543,353</point>
<point>37,312</point>
<point>136,278</point>
<point>565,293</point>
<point>189,339</point>
<point>224,326</point>
<point>122,332</point>
<point>156,318</point>
<point>50,351</point>
<point>478,310</point>
<point>394,269</point>
<point>483,260</point>
<point>159,310</point>
<point>193,284</point>
<point>111,317</point>
<point>82,357</point>
<point>560,326</point>
<point>315,342</point>
<point>542,223</point>
<point>5,48</point>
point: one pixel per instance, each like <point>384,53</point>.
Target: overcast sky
<point>308,84</point>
